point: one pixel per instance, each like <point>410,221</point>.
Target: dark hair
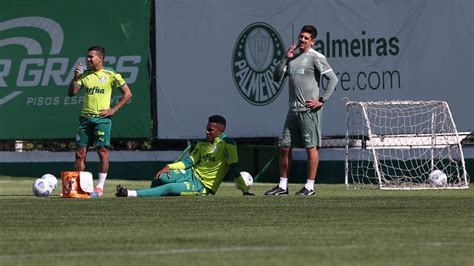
<point>98,49</point>
<point>311,30</point>
<point>217,119</point>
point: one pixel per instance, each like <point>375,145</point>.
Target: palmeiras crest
<point>256,54</point>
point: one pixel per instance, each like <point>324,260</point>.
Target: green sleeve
<point>118,81</point>
<point>183,164</point>
<point>239,181</point>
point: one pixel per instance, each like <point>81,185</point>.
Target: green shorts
<point>302,129</point>
<point>94,131</point>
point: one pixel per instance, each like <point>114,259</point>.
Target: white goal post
<point>398,144</point>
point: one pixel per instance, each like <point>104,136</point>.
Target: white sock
<point>309,184</point>
<point>132,193</point>
<point>102,177</point>
<point>283,183</point>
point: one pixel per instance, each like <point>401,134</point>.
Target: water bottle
<point>82,68</point>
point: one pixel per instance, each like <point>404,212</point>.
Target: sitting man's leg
<point>171,189</point>
<point>175,176</point>
<point>178,183</point>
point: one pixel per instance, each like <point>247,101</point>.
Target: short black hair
<point>98,49</point>
<point>311,30</point>
<point>217,119</point>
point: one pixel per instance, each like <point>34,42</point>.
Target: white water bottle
<point>82,68</point>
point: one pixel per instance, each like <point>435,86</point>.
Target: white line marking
<point>139,253</point>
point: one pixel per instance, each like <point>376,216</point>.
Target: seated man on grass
<point>199,174</point>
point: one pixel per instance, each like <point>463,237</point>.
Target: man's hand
<point>165,169</point>
<point>80,68</point>
<point>313,104</point>
<point>248,194</point>
<point>73,88</point>
<point>291,51</point>
<point>107,112</point>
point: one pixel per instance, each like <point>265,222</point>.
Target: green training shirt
<point>98,87</point>
<point>212,160</point>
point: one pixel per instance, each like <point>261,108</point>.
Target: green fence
<point>42,41</point>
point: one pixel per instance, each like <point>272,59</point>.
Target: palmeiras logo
<point>256,54</point>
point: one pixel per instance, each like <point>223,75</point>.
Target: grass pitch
<point>335,227</point>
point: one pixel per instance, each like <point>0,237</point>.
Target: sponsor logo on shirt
<point>94,90</point>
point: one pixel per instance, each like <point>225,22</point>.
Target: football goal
<point>403,145</point>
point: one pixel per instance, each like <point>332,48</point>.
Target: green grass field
<point>335,227</point>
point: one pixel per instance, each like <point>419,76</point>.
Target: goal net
<point>400,144</point>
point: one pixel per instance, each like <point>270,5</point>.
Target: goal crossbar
<point>405,141</point>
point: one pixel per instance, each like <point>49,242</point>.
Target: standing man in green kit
<point>302,129</point>
<point>95,123</point>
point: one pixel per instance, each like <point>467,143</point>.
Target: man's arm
<point>180,165</point>
<point>282,66</point>
<point>238,179</point>
<point>331,76</point>
<point>234,168</point>
<point>318,102</point>
<point>325,69</point>
<point>126,95</point>
<point>73,87</point>
<point>280,70</point>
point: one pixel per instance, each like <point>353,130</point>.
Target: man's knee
<point>156,182</point>
<point>81,154</point>
<point>103,152</point>
<point>285,151</point>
